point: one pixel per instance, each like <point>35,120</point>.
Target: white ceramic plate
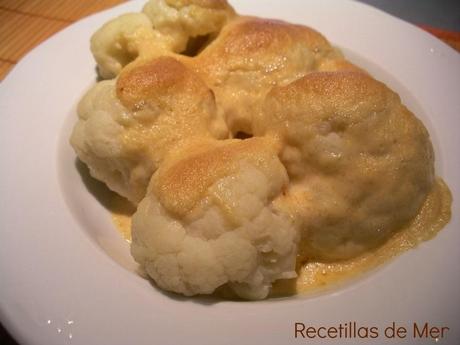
<point>66,275</point>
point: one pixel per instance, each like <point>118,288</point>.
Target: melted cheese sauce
<point>316,276</point>
<point>122,211</point>
<point>319,276</point>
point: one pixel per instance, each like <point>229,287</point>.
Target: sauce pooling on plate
<point>122,211</point>
<point>315,276</point>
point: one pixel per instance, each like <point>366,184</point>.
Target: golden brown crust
<point>193,168</point>
<point>247,37</point>
<point>250,34</point>
<point>250,56</point>
<point>347,88</point>
<point>164,77</point>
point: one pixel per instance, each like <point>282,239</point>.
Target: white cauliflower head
<point>180,20</point>
<point>122,40</point>
<point>126,126</point>
<point>252,55</point>
<point>208,219</point>
<point>360,164</point>
<point>165,27</point>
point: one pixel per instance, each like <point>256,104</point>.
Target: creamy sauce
<point>318,276</point>
<point>122,211</point>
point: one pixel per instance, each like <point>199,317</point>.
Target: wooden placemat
<point>26,23</point>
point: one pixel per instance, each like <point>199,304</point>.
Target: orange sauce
<point>317,276</point>
<point>122,211</point>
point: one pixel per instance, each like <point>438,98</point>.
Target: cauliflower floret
<point>126,126</point>
<point>166,27</point>
<point>360,163</point>
<point>208,219</point>
<point>123,39</point>
<point>252,55</point>
<point>180,20</point>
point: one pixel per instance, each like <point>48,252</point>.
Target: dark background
<point>443,14</point>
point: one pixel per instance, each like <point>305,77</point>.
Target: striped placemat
<point>26,23</point>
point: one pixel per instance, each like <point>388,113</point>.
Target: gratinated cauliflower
<point>127,125</point>
<point>181,21</point>
<point>122,40</point>
<point>252,55</point>
<point>208,219</point>
<point>333,167</point>
<point>165,27</point>
<point>360,163</point>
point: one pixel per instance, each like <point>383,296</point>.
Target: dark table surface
<point>443,14</point>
